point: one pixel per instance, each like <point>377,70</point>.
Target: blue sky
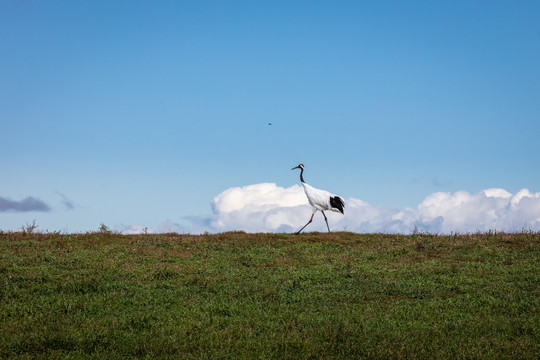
<point>137,112</point>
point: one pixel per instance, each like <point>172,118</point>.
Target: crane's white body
<point>320,200</point>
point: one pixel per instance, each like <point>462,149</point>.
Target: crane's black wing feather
<point>337,203</point>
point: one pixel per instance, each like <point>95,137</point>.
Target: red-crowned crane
<point>319,199</point>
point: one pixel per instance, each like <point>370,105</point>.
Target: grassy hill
<point>269,296</point>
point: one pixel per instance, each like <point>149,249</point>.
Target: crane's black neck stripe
<point>302,174</point>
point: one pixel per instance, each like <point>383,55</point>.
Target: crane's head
<point>301,166</point>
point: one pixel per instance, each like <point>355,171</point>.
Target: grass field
<point>269,296</point>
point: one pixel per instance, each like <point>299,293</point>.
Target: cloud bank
<point>27,204</point>
<point>267,207</point>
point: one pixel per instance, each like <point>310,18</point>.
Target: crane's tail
<point>337,203</point>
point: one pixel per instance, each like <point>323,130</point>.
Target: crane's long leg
<point>309,222</point>
<point>325,219</point>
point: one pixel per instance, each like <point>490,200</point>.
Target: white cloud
<point>168,226</point>
<point>259,207</point>
<point>267,207</point>
<point>258,196</point>
<point>133,229</point>
<point>492,209</point>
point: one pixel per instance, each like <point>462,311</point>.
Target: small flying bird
<point>319,199</point>
<point>269,123</point>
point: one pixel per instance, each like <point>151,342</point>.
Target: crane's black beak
<point>296,167</point>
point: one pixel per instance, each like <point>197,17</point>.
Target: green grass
<point>269,296</point>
